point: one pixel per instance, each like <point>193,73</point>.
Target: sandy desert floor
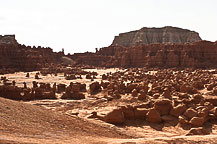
<point>66,121</point>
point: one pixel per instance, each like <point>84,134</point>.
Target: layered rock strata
<point>166,34</point>
<point>202,54</point>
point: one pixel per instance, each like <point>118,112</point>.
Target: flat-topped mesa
<point>166,34</point>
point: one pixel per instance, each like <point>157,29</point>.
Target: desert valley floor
<point>120,106</point>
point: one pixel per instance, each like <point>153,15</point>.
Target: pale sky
<point>83,25</point>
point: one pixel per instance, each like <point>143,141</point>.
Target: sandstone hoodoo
<point>146,35</point>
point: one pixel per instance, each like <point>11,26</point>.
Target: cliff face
<point>24,58</point>
<point>173,47</point>
<point>165,47</point>
<point>156,35</point>
<point>202,54</point>
<point>194,55</point>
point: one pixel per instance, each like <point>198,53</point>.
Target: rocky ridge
<point>165,47</point>
<point>17,57</point>
<point>200,54</point>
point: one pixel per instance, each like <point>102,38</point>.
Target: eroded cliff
<point>156,35</point>
<point>17,57</point>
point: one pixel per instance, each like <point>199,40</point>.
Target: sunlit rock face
<point>166,34</point>
<point>200,54</point>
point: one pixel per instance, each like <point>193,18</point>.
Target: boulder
<point>128,112</point>
<point>153,116</point>
<point>190,113</point>
<point>183,120</point>
<point>163,106</point>
<point>61,88</point>
<point>197,131</point>
<point>169,118</point>
<point>178,110</point>
<point>197,121</point>
<point>95,87</point>
<point>73,95</point>
<point>140,113</point>
<point>115,116</point>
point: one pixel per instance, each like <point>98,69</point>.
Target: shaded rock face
<point>24,58</point>
<point>156,35</point>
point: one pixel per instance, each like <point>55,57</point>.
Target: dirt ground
<point>66,121</point>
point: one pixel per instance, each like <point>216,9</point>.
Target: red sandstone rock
<point>163,106</point>
<point>24,58</point>
<point>190,113</point>
<point>116,116</point>
<point>140,113</point>
<point>197,131</point>
<point>95,87</point>
<point>178,110</point>
<point>153,116</point>
<point>197,121</point>
<point>183,120</point>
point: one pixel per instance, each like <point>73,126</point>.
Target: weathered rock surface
<point>116,116</point>
<point>201,54</point>
<point>166,34</point>
<point>153,116</point>
<point>17,57</point>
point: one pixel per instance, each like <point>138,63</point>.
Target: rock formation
<point>19,57</point>
<point>146,35</point>
<point>200,54</point>
<point>166,47</point>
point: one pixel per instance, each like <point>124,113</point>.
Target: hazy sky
<point>83,25</point>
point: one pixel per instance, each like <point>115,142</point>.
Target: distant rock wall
<point>24,58</point>
<point>156,35</point>
<point>198,55</point>
<point>174,47</point>
<point>202,54</point>
<point>165,47</point>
